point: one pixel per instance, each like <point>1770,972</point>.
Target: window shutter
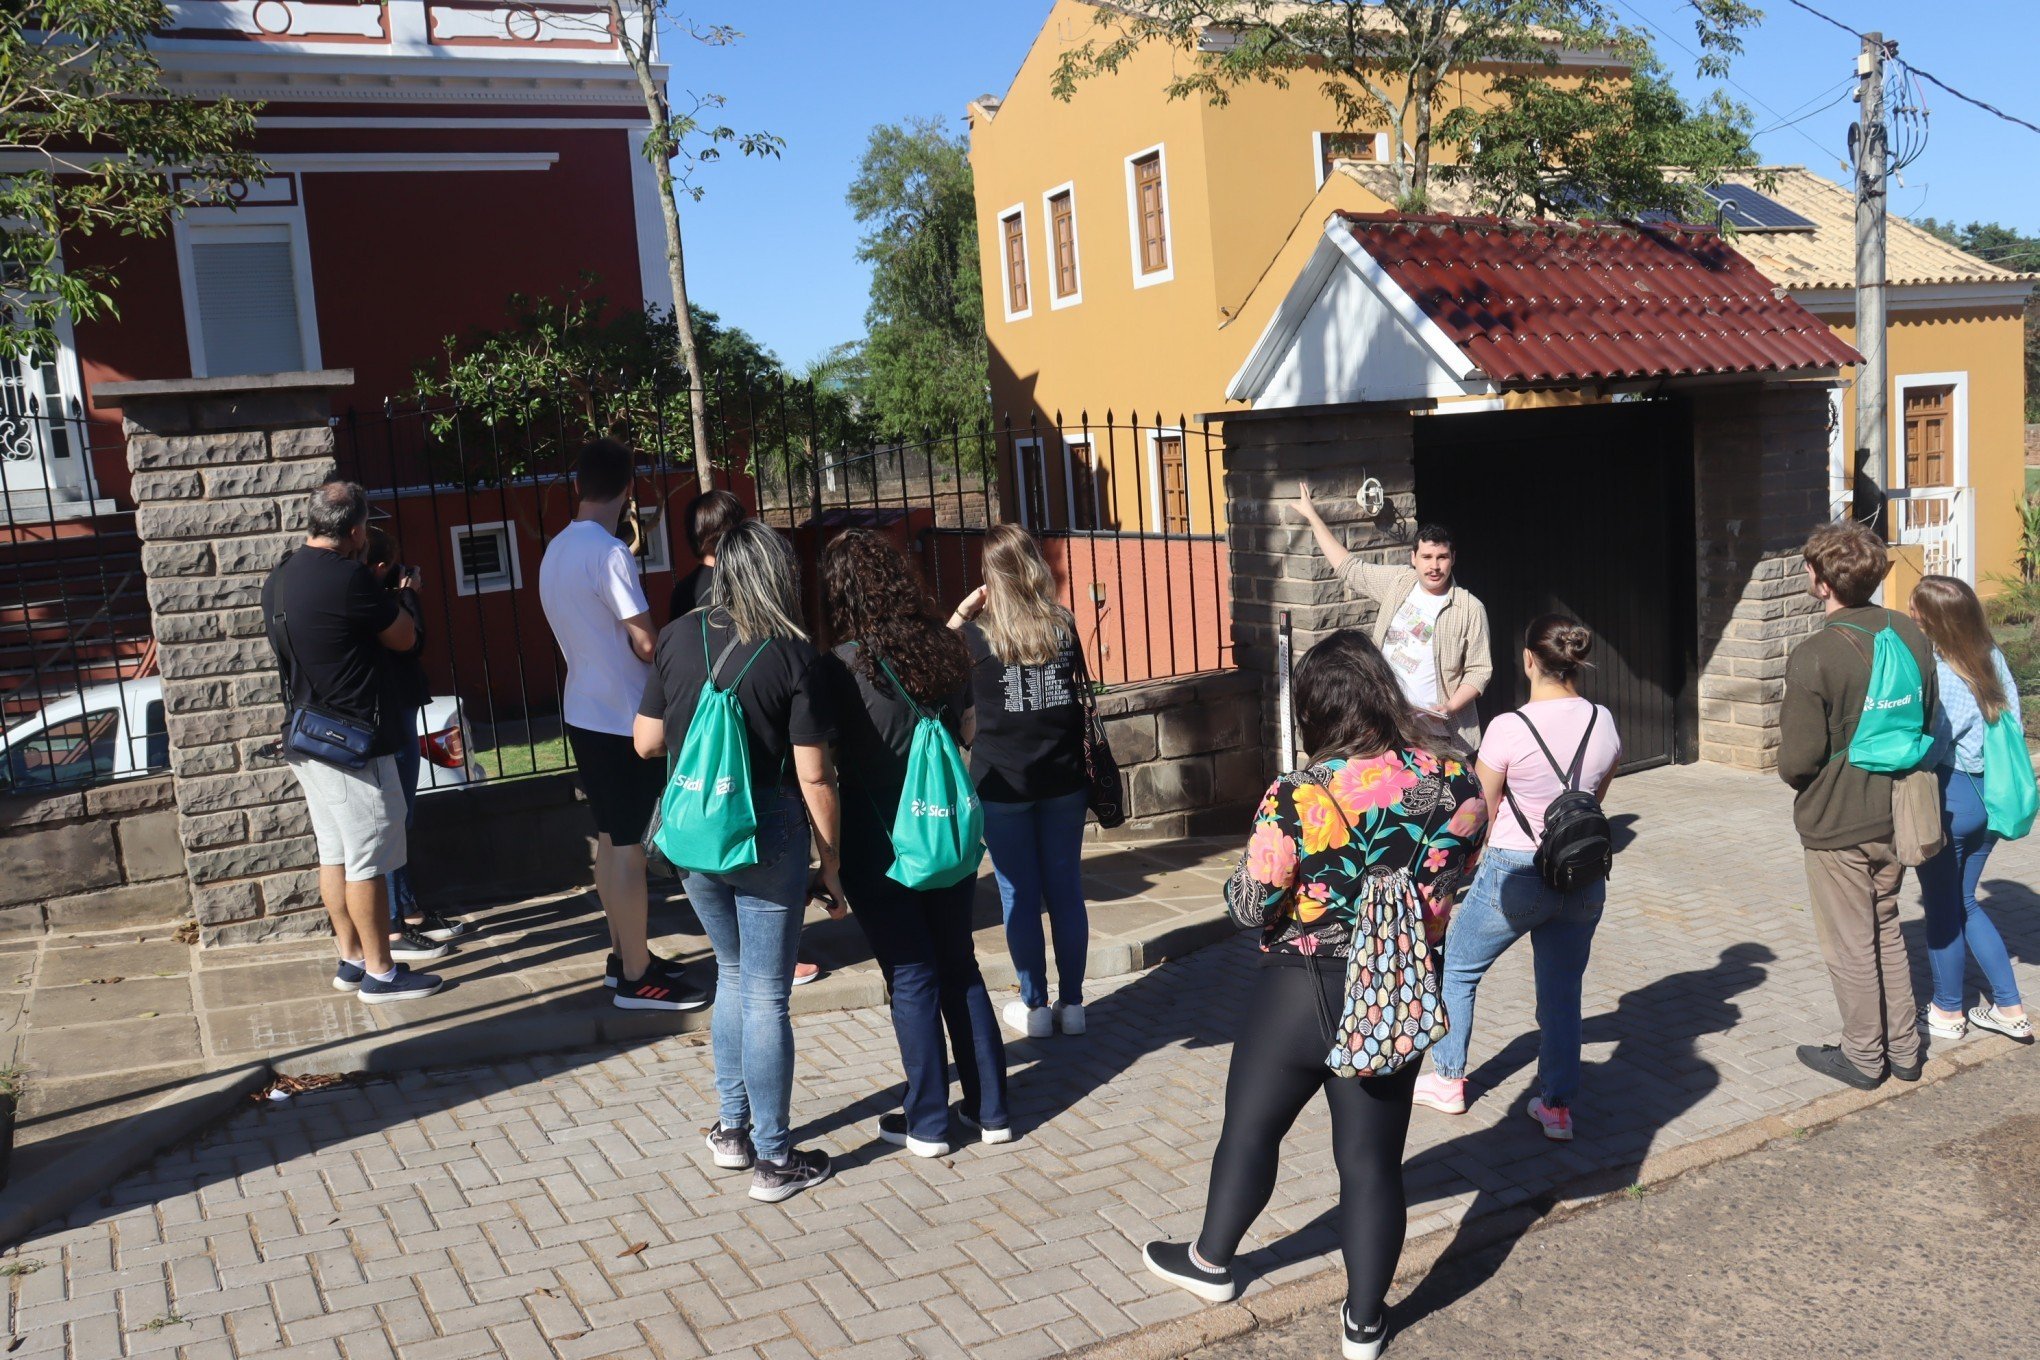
<point>247,306</point>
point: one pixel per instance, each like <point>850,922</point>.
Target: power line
<point>1847,87</point>
<point>1927,76</point>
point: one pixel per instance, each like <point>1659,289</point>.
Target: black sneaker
<point>1912,1073</point>
<point>1172,1262</point>
<point>731,1147</point>
<point>892,1128</point>
<point>1002,1133</point>
<point>405,986</point>
<point>775,1181</point>
<point>411,946</point>
<point>612,968</point>
<point>1829,1061</point>
<point>437,927</point>
<point>662,988</point>
<point>1362,1343</point>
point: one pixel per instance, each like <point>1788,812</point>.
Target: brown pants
<point>1855,913</point>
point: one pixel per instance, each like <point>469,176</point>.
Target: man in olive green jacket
<point>1434,634</point>
<point>1843,814</point>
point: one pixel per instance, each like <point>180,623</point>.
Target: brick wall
<point>1760,457</point>
<point>221,467</point>
<point>97,859</point>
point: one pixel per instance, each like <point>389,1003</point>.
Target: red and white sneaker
<point>1555,1120</point>
<point>1447,1095</point>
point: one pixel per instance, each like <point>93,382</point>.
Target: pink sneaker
<point>1444,1094</point>
<point>1556,1120</point>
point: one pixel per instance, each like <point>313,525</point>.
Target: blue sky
<point>773,248</point>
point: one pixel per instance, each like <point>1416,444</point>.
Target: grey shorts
<point>357,815</point>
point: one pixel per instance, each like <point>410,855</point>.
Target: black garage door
<point>1585,511</point>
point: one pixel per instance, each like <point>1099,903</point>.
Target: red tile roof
<point>1540,303</point>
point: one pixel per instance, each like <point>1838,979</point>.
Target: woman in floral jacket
<point>1375,799</point>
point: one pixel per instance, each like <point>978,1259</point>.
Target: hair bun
<point>1561,644</point>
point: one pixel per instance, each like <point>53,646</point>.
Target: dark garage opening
<point>1584,510</point>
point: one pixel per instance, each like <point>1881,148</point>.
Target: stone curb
<point>127,1144</point>
<point>1323,1291</point>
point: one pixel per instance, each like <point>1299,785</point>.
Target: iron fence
<point>80,701</point>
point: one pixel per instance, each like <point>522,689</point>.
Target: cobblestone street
<point>563,1205</point>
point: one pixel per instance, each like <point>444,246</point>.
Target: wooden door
<point>1929,449</point>
<point>1174,477</point>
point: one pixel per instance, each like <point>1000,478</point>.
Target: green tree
<point>2012,249</point>
<point>1380,62</point>
<point>925,359</point>
<point>92,134</point>
<point>1599,147</point>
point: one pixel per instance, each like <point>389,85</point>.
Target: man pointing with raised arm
<point>1434,634</point>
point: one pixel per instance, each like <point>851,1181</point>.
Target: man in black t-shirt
<point>333,628</point>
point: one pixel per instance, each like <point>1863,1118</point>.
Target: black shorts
<point>622,786</point>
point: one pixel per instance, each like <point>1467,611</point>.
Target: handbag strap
<point>1569,781</point>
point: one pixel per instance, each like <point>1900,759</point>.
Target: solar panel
<point>1747,210</point>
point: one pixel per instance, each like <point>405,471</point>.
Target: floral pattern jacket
<point>1321,832</point>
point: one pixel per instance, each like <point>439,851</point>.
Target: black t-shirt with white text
<point>323,613</point>
<point>1030,725</point>
<point>785,695</point>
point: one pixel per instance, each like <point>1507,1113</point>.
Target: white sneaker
<point>893,1129</point>
<point>1036,1022</point>
<point>1070,1019</point>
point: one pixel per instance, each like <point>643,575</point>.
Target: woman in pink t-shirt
<point>1509,898</point>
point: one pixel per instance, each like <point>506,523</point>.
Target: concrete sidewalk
<point>562,1205</point>
<point>112,1024</point>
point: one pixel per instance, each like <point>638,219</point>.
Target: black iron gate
<point>1586,511</point>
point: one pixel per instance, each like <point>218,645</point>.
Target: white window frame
<point>1958,383</point>
<point>1018,210</point>
<point>1081,439</point>
<point>1022,447</point>
<point>1076,250</point>
<point>1154,461</point>
<point>1317,155</point>
<point>1168,271</point>
<point>207,226</point>
<point>478,585</point>
<point>658,547</point>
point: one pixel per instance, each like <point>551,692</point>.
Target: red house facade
<point>428,159</point>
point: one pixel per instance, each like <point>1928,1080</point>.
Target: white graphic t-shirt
<point>1411,647</point>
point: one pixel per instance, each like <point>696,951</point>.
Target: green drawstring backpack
<point>1891,735</point>
<point>706,822</point>
<point>2010,797</point>
<point>938,832</point>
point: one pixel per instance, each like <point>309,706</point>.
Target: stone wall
<point>1760,486</point>
<point>1276,566</point>
<point>221,467</point>
<point>98,859</point>
<point>1190,752</point>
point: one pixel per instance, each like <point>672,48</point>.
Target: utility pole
<point>1873,470</point>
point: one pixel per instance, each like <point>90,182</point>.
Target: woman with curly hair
<point>894,662</point>
<point>1376,798</point>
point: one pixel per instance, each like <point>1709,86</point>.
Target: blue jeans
<point>1948,887</point>
<point>403,901</point>
<point>1037,858</point>
<point>922,941</point>
<point>1509,900</point>
<point>752,918</point>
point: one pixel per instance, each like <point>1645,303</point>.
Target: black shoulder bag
<point>316,733</point>
<point>1105,791</point>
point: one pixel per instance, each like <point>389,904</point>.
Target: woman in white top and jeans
<point>1509,898</point>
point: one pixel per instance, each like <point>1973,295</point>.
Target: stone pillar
<point>1760,458</point>
<point>221,467</point>
<point>1275,564</point>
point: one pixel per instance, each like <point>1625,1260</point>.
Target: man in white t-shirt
<point>1434,634</point>
<point>588,584</point>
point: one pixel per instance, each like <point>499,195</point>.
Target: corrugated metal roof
<point>1544,303</point>
<point>1823,257</point>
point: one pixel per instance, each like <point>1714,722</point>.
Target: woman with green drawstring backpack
<point>1987,795</point>
<point>913,838</point>
<point>738,711</point>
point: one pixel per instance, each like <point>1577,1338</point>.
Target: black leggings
<point>1278,1064</point>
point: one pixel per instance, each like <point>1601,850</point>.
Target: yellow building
<point>1122,234</point>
